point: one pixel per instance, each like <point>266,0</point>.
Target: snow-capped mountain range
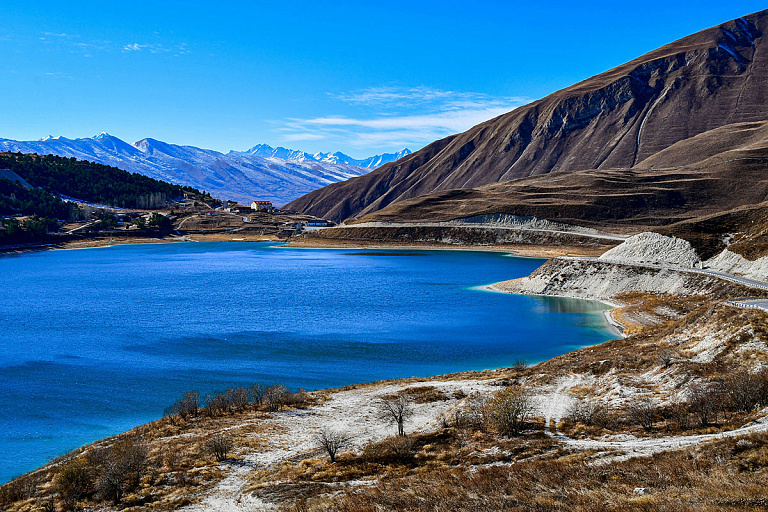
<point>262,172</point>
<point>265,151</point>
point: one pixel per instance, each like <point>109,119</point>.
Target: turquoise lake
<point>96,341</point>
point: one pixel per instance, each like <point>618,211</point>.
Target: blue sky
<point>360,77</point>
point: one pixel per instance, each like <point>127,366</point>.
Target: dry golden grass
<point>728,475</point>
<point>435,452</point>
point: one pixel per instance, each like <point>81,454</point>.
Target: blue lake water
<point>96,341</point>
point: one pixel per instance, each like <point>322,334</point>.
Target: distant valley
<point>271,174</point>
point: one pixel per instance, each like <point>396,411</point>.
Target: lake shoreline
<point>115,270</point>
<point>523,251</point>
<point>614,326</point>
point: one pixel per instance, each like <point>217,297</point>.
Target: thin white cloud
<point>399,117</point>
<point>62,41</point>
<point>303,136</point>
<point>151,48</point>
<point>176,50</point>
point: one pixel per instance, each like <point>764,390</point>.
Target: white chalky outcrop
<point>733,263</point>
<point>655,249</point>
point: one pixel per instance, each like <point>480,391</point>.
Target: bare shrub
<point>185,406</point>
<point>74,482</point>
<point>219,446</point>
<point>216,404</point>
<point>396,410</point>
<point>705,401</point>
<point>425,394</point>
<point>21,488</point>
<point>275,397</point>
<point>742,390</point>
<point>171,458</point>
<point>587,412</point>
<point>118,468</point>
<point>239,399</point>
<point>680,414</point>
<point>257,393</point>
<point>643,412</point>
<point>509,409</point>
<point>298,399</point>
<point>762,376</point>
<point>467,418</point>
<point>667,357</point>
<point>332,441</point>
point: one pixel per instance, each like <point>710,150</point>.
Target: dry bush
<point>74,482</point>
<point>219,446</point>
<point>298,399</point>
<point>21,488</point>
<point>474,414</point>
<point>705,401</point>
<point>238,398</point>
<point>667,357</point>
<point>118,469</point>
<point>587,412</point>
<point>680,414</point>
<point>171,458</point>
<point>396,410</point>
<point>256,392</point>
<point>275,397</point>
<point>332,441</point>
<point>643,412</point>
<point>743,390</point>
<point>509,410</point>
<point>185,406</point>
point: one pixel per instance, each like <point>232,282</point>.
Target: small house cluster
<point>256,206</point>
<point>262,206</point>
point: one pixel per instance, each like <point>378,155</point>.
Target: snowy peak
<point>267,151</point>
<point>337,157</point>
<point>149,145</point>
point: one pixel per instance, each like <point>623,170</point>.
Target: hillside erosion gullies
<point>622,119</point>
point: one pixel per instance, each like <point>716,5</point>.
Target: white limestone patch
<point>654,249</point>
<point>733,263</point>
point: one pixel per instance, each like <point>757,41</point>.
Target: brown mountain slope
<point>614,120</point>
<point>620,199</point>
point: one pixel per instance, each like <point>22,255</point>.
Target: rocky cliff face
<point>618,119</point>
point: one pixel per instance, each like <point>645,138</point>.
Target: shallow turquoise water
<point>97,341</point>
